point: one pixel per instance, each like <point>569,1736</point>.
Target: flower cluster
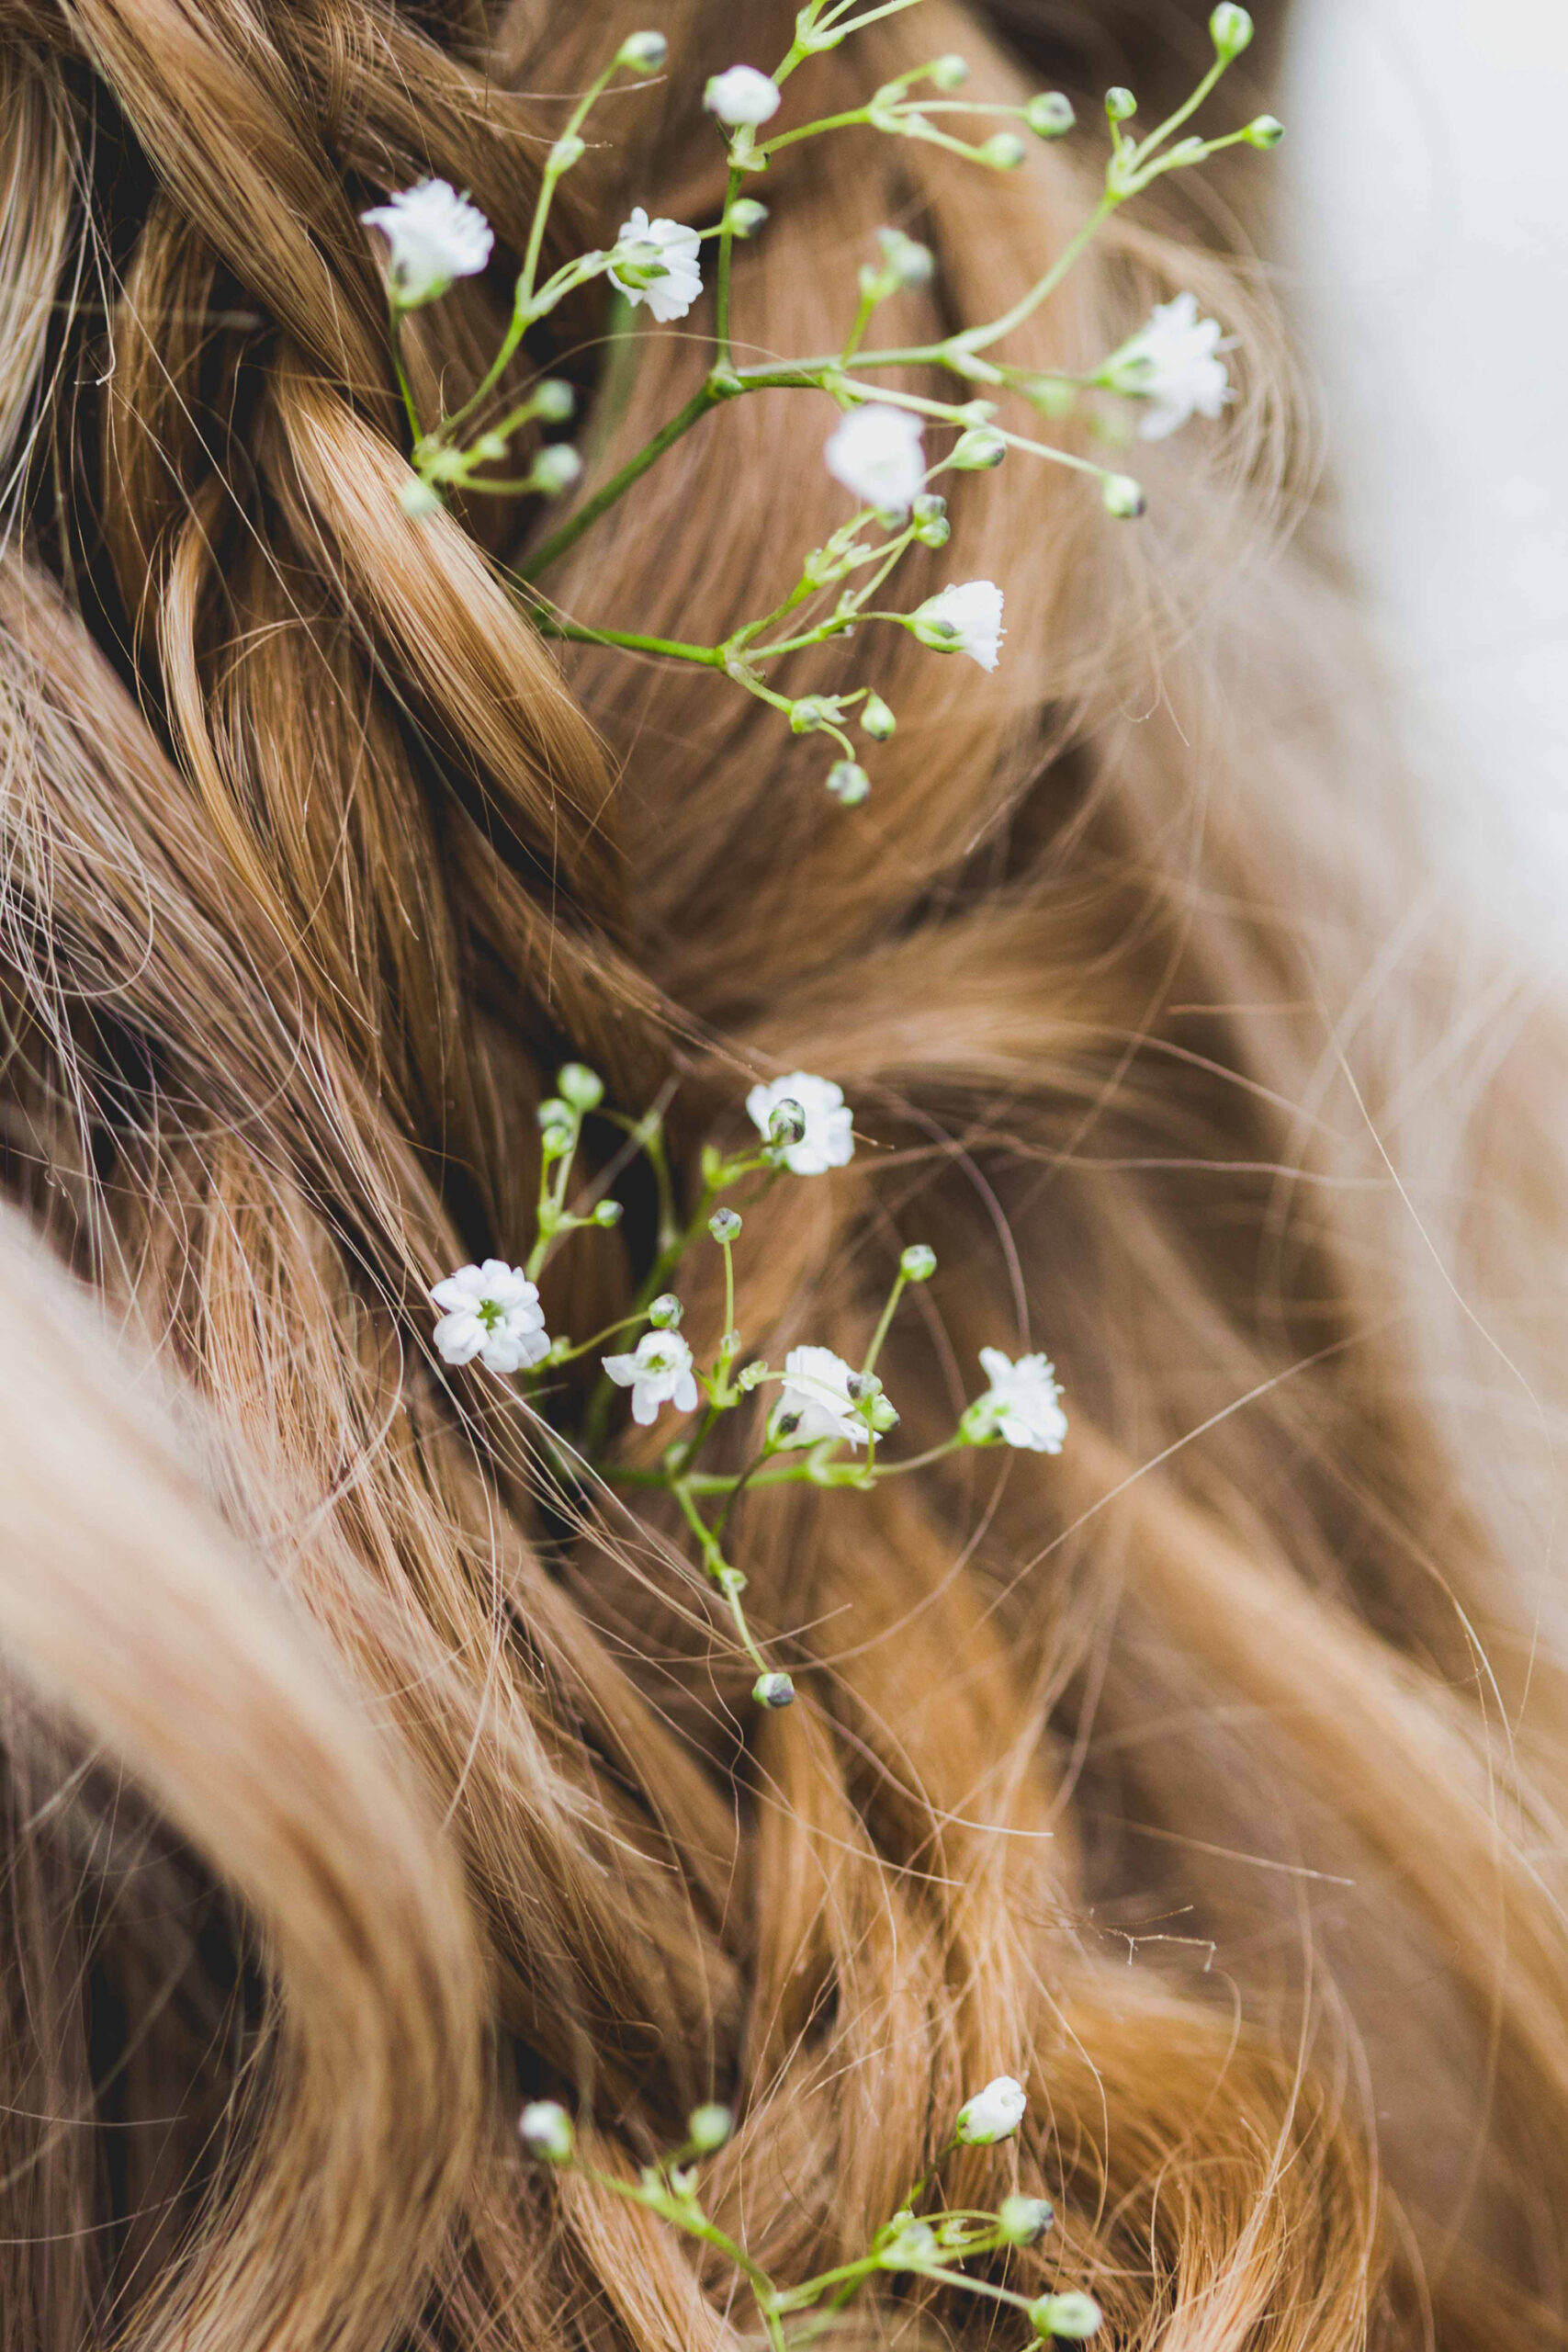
<point>900,417</point>
<point>1171,370</point>
<point>824,1417</point>
<point>909,2244</point>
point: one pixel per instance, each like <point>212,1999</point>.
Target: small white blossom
<point>657,1372</point>
<point>829,1141</point>
<point>816,1389</point>
<point>493,1312</point>
<point>1174,363</point>
<point>992,2114</point>
<point>966,618</point>
<point>667,247</point>
<point>544,2128</point>
<point>1022,1404</point>
<point>435,235</point>
<point>876,452</point>
<point>742,96</point>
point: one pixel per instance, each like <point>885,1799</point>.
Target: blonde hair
<point>1208,1778</point>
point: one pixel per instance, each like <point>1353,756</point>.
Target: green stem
<point>671,649</point>
<point>722,1573</point>
<point>553,171</point>
<point>981,338</point>
<point>920,1461</point>
<point>552,548</point>
<point>895,1295</point>
<point>586,1347</point>
<point>1157,137</point>
<point>721,280</point>
<point>696,2225</point>
<point>815,130</point>
<point>811,2291</point>
<point>395,324</point>
<point>736,1491</point>
<point>835,16</point>
<point>975,2286</point>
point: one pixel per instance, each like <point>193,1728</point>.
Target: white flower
<point>966,618</point>
<point>876,452</point>
<point>659,1373</point>
<point>829,1141</point>
<point>817,1388</point>
<point>742,95</point>
<point>662,267</point>
<point>493,1312</point>
<point>435,235</point>
<point>1174,363</point>
<point>992,2114</point>
<point>1021,1405</point>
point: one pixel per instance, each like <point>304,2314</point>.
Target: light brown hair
<point>1208,1778</point>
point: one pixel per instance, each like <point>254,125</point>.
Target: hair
<point>354,1785</point>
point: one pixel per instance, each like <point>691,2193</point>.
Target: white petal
<point>459,1337</point>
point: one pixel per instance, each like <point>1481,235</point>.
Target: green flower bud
<point>809,715</point>
<point>1024,2220</point>
<point>1074,2318</point>
<point>786,1122</point>
<point>1124,497</point>
<point>583,1088</point>
<point>554,1113</point>
<point>848,781</point>
<point>928,507</point>
<point>1230,28</point>
<point>724,1224</point>
<point>1003,151</point>
<point>709,2126</point>
<point>950,73</point>
<point>607,1214</point>
<point>918,1263</point>
<point>910,2246</point>
<point>643,53</point>
<point>567,152</point>
<point>877,720</point>
<point>556,469</point>
<point>977,1423</point>
<point>490,448</point>
<point>418,499</point>
<point>1050,115</point>
<point>773,1690</point>
<point>1264,131</point>
<point>934,534</point>
<point>1120,104</point>
<point>981,448</point>
<point>907,262</point>
<point>545,2129</point>
<point>553,400</point>
<point>752,1374</point>
<point>666,1312</point>
<point>557,1141</point>
<point>747,216</point>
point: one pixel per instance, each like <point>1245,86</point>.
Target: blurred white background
<point>1428,211</point>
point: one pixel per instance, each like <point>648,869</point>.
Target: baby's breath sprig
<point>910,2244</point>
<point>1171,370</point>
<point>826,1424</point>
